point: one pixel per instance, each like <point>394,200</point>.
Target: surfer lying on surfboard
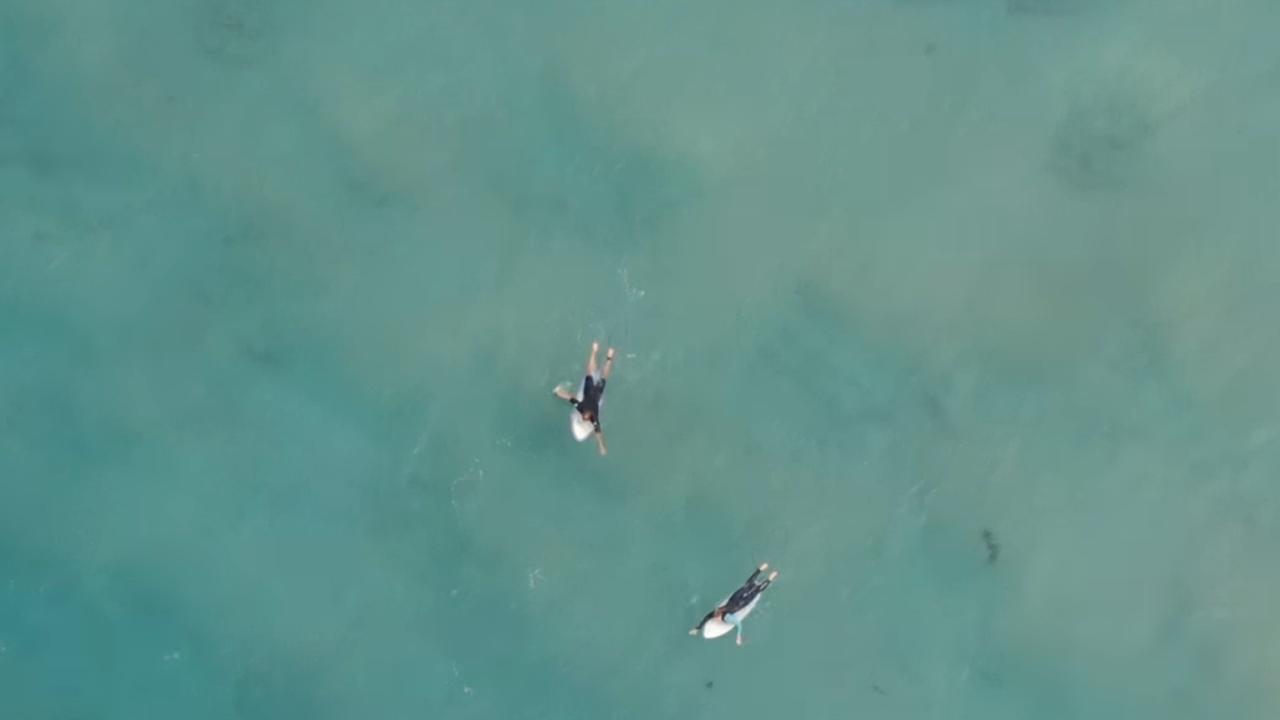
<point>592,394</point>
<point>738,605</point>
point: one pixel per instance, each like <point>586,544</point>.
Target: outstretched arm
<point>600,442</point>
<point>564,394</point>
<point>698,628</point>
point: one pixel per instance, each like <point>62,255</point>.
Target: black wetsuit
<point>592,393</point>
<point>741,597</point>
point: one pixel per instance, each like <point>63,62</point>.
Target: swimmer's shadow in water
<point>832,383</point>
<point>235,33</point>
<point>564,168</point>
<point>277,690</point>
<point>1099,140</point>
<point>1047,8</point>
<point>993,547</point>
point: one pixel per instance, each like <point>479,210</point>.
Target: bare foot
<point>609,355</point>
<point>595,347</point>
<point>773,576</point>
<point>693,631</point>
<point>764,566</point>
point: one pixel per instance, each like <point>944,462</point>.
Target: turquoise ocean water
<point>285,287</point>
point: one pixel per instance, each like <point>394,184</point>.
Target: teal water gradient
<point>285,287</point>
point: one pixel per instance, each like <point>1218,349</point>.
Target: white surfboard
<point>578,425</point>
<point>715,627</point>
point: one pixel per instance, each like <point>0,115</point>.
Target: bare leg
<point>591,360</point>
<point>760,586</point>
<point>608,365</point>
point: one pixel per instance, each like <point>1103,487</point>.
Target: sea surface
<point>960,313</point>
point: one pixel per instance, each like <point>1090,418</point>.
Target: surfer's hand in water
<point>739,641</point>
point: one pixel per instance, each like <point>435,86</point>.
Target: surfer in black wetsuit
<point>739,600</point>
<point>588,406</point>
